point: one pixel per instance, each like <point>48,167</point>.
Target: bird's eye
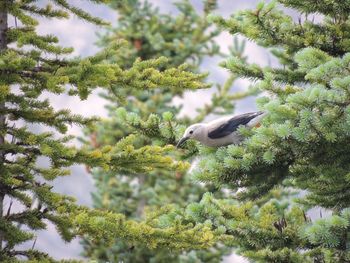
<point>191,132</point>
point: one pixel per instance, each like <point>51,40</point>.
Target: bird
<point>222,131</point>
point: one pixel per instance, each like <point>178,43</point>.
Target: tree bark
<point>3,47</point>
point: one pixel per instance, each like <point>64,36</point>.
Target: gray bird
<point>223,131</point>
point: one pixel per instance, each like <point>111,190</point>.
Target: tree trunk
<point>3,47</point>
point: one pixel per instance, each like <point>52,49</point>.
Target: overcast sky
<point>82,36</point>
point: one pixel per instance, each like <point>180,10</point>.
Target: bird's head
<point>195,131</point>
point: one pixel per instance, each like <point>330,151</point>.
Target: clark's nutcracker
<point>222,131</point>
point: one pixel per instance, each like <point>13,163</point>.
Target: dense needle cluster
<point>145,198</point>
<point>147,115</point>
<point>33,65</point>
<point>302,143</point>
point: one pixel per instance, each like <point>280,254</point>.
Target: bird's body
<point>222,131</point>
<point>232,138</point>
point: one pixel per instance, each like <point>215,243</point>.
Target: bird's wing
<point>222,129</point>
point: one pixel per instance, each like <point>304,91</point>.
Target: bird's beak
<point>182,140</point>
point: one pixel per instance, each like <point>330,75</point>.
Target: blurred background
<point>82,36</point>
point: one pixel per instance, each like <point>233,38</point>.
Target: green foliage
<point>148,208</point>
<point>158,196</point>
<point>32,66</point>
<point>106,226</point>
<point>302,142</point>
<point>150,34</point>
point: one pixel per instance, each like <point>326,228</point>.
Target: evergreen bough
<point>301,145</point>
<point>31,65</point>
<point>159,195</point>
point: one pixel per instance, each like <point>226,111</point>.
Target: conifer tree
<point>301,145</point>
<point>182,38</point>
<point>31,65</point>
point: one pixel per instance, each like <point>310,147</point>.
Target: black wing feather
<point>232,125</point>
